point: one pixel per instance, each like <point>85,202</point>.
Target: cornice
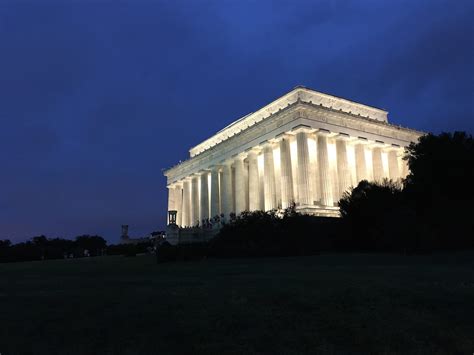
<point>293,116</point>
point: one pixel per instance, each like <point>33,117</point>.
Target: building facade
<point>305,148</point>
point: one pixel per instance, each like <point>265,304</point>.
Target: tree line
<point>42,247</point>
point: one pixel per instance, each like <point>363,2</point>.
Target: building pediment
<point>299,113</point>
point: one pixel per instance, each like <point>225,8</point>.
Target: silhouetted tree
<point>41,242</point>
<point>276,233</point>
<point>94,243</point>
<point>434,210</point>
<point>440,187</point>
<point>6,243</point>
<point>378,217</point>
<point>4,249</point>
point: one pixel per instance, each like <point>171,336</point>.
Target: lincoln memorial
<point>305,148</point>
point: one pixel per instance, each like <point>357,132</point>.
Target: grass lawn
<point>326,304</point>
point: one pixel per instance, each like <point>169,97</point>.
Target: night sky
<point>97,97</point>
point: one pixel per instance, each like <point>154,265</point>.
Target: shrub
<point>260,233</point>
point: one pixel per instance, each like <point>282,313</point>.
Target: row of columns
<point>260,179</point>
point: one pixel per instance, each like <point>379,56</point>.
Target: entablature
<point>302,113</point>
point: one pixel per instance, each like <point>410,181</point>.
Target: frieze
<point>332,119</point>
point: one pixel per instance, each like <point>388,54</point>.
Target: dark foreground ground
<point>327,304</point>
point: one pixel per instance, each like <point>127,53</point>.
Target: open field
<point>326,304</point>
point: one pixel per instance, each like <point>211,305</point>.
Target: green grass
<point>327,304</point>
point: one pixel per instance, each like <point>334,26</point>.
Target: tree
<point>441,167</point>
<point>434,210</point>
<point>40,241</point>
<point>439,187</point>
<point>95,244</point>
<point>6,243</point>
<point>276,233</point>
<point>378,217</point>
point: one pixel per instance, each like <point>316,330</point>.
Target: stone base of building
<point>177,235</point>
<point>134,240</point>
<point>184,235</point>
<point>320,211</point>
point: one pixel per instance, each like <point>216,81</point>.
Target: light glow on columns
<point>294,167</point>
<point>276,159</point>
<point>332,157</point>
<point>312,150</point>
<point>209,193</point>
<point>260,165</point>
<point>332,154</point>
<point>199,201</point>
<point>294,152</point>
<point>351,161</point>
<point>385,164</point>
<point>313,168</point>
<point>402,164</point>
<point>369,164</point>
<point>277,167</point>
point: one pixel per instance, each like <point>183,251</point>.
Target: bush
<point>166,252</point>
<point>182,252</point>
<point>254,234</point>
<point>128,249</point>
<point>378,218</point>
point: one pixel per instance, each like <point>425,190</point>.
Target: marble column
<point>186,203</point>
<point>325,178</point>
<point>254,181</point>
<point>377,163</point>
<point>287,197</point>
<point>393,169</point>
<point>261,188</point>
<point>269,178</point>
<point>314,172</point>
<point>277,167</point>
<point>343,171</point>
<point>405,170</point>
<point>361,164</point>
<point>195,200</point>
<point>239,184</point>
<point>214,192</point>
<point>226,192</point>
<point>352,162</point>
<point>303,172</point>
<point>204,197</point>
<point>179,204</point>
<point>171,200</point>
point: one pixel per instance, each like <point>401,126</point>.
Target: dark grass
<point>327,304</point>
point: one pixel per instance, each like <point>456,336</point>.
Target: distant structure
<point>125,238</point>
<point>305,148</point>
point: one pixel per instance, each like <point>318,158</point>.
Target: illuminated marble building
<point>305,147</point>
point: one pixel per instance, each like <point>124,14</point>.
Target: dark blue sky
<point>96,97</point>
